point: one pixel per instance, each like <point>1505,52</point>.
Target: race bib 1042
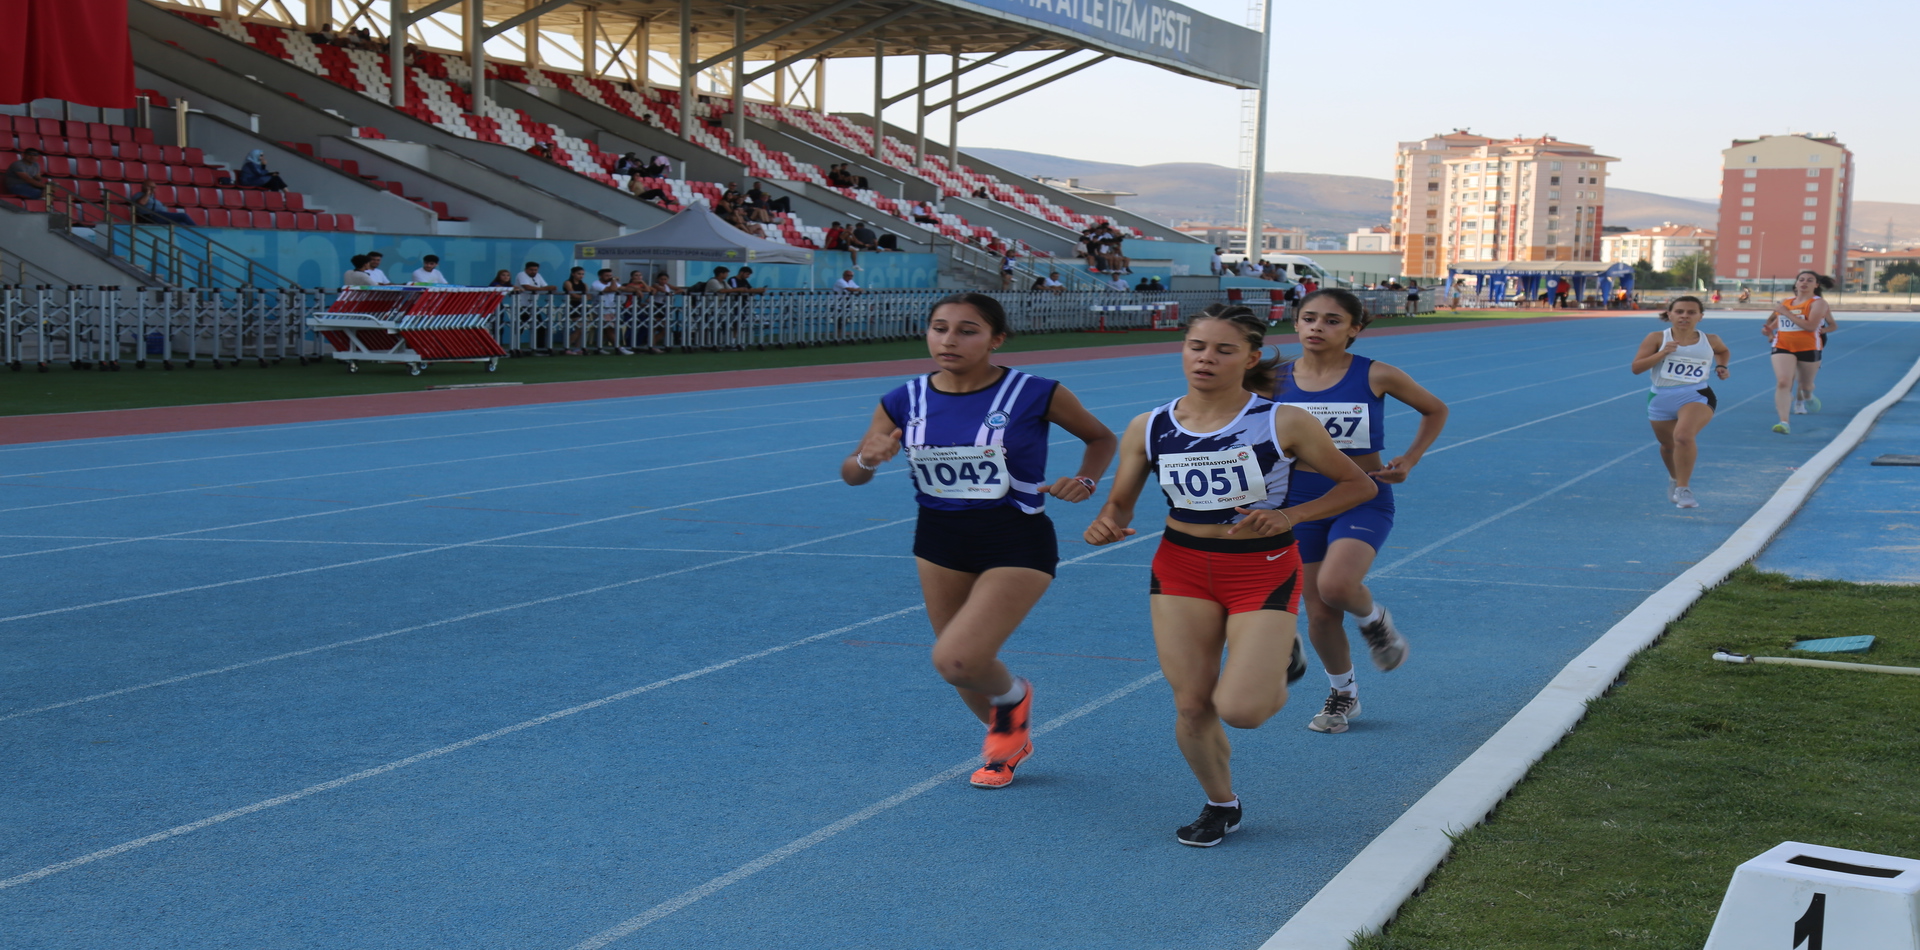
<point>964,472</point>
<point>1350,423</point>
<point>1209,481</point>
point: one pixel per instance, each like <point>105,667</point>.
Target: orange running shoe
<point>1000,774</point>
<point>1010,730</point>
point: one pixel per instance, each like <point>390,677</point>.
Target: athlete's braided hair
<point>1260,376</point>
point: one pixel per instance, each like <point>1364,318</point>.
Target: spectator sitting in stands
<point>846,285</point>
<point>731,194</point>
<point>859,181</point>
<point>660,167</point>
<point>542,150</point>
<point>837,176</point>
<point>836,238</point>
<point>254,173</point>
<point>1117,260</point>
<point>863,238</point>
<point>645,192</point>
<point>502,278</point>
<point>362,38</point>
<point>27,177</point>
<point>146,206</point>
<point>429,271</point>
<point>326,36</point>
<point>981,192</point>
<point>628,164</point>
<point>356,276</point>
<point>758,198</point>
<point>923,214</point>
<point>754,203</point>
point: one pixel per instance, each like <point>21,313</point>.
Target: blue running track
<point>643,673</point>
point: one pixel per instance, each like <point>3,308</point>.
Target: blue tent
<point>1494,278</point>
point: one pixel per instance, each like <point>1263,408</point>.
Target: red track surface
<point>54,427</point>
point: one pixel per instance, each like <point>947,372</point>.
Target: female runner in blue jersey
<point>1347,393</point>
<point>1226,576</point>
<point>976,442</point>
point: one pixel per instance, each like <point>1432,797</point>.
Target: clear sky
<point>1663,85</point>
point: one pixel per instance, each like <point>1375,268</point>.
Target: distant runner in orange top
<point>1799,328</point>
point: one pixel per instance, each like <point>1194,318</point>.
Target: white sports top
<point>1686,367</point>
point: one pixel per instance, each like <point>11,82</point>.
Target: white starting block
<point>1808,897</point>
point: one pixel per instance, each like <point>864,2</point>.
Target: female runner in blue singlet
<point>1347,393</point>
<point>1226,577</point>
<point>976,442</point>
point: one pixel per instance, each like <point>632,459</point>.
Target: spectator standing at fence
<point>1216,265</point>
<point>356,276</point>
<point>254,173</point>
<point>846,284</point>
<point>373,268</point>
<point>575,287</point>
<point>606,295</point>
<point>146,205</point>
<point>743,282</point>
<point>530,281</point>
<point>1007,263</point>
<point>27,176</point>
<point>502,278</point>
<point>717,284</point>
<point>429,271</point>
<point>1053,284</point>
<point>1119,282</point>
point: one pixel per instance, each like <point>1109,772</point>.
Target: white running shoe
<point>1683,498</point>
<point>1671,488</point>
<point>1340,709</point>
<point>1799,407</point>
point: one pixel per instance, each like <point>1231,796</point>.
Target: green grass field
<point>66,390</point>
<point>1627,834</point>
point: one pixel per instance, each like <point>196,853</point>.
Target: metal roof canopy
<point>1158,32</point>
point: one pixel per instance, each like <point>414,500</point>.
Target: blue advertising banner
<point>1167,33</point>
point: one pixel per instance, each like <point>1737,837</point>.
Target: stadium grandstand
<point>491,132</point>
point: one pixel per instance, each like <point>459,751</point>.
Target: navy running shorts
<point>1370,521</point>
<point>976,540</point>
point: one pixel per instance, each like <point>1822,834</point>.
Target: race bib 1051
<point>1210,481</point>
<point>964,472</point>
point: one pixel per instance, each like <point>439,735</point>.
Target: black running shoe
<point>1296,667</point>
<point>1212,827</point>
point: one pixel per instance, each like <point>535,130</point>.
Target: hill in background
<point>1338,204</point>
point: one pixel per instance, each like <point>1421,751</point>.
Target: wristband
<point>1282,513</point>
<point>857,460</point>
<point>1084,480</point>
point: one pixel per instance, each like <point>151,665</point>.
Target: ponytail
<point>1262,376</point>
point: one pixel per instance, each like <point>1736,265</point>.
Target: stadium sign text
<point>1148,29</point>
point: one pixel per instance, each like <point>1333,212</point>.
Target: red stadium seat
<point>100,131</point>
<point>194,156</point>
<point>88,190</point>
<point>143,136</point>
<point>111,169</point>
<point>295,201</point>
<point>29,140</point>
<point>255,200</point>
<point>284,220</point>
<point>48,127</point>
<point>82,168</point>
<point>166,195</point>
<point>197,215</point>
<point>217,218</point>
<point>323,222</point>
<point>304,221</point>
<point>58,167</point>
<point>171,154</point>
<point>121,133</point>
<point>54,146</point>
<point>343,222</point>
<point>133,171</point>
<point>241,219</point>
<point>148,153</point>
<point>275,201</point>
<point>203,177</point>
<point>232,199</point>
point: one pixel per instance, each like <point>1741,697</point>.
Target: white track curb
<point>1370,889</point>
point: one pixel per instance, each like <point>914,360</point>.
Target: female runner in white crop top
<point>1681,403</point>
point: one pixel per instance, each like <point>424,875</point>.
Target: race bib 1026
<point>1677,370</point>
<point>962,472</point>
<point>1348,422</point>
<point>1210,481</point>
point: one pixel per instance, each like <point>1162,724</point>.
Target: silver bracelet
<point>857,460</point>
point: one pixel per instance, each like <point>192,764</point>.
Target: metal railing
<point>172,254</point>
<point>106,327</point>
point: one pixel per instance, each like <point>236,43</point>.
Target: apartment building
<point>1660,246</point>
<point>1537,199</point>
<point>1784,207</point>
<point>1419,190</point>
<point>1232,238</point>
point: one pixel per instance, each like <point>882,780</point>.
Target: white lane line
<point>377,770</point>
<point>404,554</point>
<point>462,493</point>
<point>420,438</point>
<point>1569,483</point>
<point>1475,580</point>
<point>337,644</point>
<point>690,897</point>
<point>395,468</point>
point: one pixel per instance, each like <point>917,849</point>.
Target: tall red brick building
<point>1785,201</point>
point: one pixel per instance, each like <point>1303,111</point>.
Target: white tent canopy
<point>695,234</point>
